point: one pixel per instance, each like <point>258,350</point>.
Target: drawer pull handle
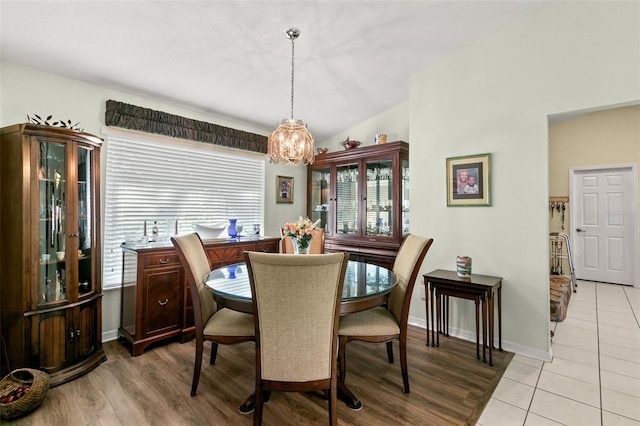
<point>164,261</point>
<point>162,303</point>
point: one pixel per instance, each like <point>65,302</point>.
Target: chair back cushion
<point>196,268</point>
<point>316,247</point>
<point>296,302</point>
<point>406,267</point>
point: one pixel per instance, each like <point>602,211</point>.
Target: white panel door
<point>604,222</point>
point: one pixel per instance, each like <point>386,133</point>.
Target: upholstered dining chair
<point>218,326</point>
<point>316,247</point>
<point>385,324</point>
<point>296,305</point>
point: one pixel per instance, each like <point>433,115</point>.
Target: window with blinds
<point>170,185</point>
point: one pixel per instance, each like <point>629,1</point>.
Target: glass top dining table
<point>365,286</point>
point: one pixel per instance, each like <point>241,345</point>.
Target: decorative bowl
<point>210,232</point>
<point>350,144</point>
<point>322,150</point>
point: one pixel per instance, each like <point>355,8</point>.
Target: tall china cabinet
<point>50,267</point>
<point>361,197</point>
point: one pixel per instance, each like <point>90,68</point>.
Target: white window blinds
<point>160,181</point>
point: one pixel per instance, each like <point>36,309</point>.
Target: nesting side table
<point>482,289</point>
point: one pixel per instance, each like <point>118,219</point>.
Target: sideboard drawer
<point>227,254</point>
<point>162,259</point>
<point>268,247</point>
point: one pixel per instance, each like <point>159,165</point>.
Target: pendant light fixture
<point>291,142</point>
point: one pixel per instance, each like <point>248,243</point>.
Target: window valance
<point>119,114</point>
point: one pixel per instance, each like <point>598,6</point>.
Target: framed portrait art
<point>284,189</point>
<point>468,182</point>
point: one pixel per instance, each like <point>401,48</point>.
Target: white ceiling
<point>354,59</point>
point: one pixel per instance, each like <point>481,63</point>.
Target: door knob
<point>580,230</point>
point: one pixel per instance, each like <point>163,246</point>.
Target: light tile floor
<point>594,377</point>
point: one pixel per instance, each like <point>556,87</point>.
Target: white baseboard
<point>506,345</point>
<point>110,335</point>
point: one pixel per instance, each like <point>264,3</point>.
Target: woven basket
<point>38,383</point>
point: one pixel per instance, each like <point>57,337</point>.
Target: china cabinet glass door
<point>85,220</point>
<point>380,198</point>
<point>405,197</point>
<point>319,197</point>
<point>52,178</point>
<point>347,199</point>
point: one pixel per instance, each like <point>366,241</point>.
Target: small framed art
<point>284,189</point>
<point>468,182</point>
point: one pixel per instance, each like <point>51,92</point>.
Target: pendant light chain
<point>292,73</point>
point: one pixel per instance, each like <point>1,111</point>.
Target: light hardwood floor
<point>448,386</point>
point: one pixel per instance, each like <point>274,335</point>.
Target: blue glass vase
<point>232,271</point>
<point>231,229</point>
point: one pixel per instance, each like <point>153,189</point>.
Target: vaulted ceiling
<point>353,60</point>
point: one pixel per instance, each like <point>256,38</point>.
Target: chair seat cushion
<point>226,322</point>
<point>372,322</point>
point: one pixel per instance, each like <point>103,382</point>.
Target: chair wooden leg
<point>214,353</point>
<point>403,364</point>
<point>390,351</point>
<point>257,411</point>
<point>333,404</point>
<point>197,366</point>
<point>342,366</point>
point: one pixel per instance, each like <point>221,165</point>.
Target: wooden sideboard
<point>155,302</point>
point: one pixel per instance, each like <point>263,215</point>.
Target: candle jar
<point>463,266</point>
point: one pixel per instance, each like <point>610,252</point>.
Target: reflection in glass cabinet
<point>319,196</point>
<point>405,197</point>
<point>55,255</point>
<point>52,175</point>
<point>347,200</point>
<point>85,219</point>
<point>379,198</point>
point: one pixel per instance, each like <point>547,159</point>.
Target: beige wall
<point>611,136</point>
<point>394,123</point>
<point>496,96</point>
<point>29,91</point>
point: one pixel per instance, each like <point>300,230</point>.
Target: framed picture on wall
<point>284,189</point>
<point>468,182</point>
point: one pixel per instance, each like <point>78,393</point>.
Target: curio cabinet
<point>361,197</point>
<point>50,251</point>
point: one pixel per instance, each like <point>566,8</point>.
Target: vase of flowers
<point>301,233</point>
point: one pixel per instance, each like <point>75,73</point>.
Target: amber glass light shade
<point>291,143</point>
